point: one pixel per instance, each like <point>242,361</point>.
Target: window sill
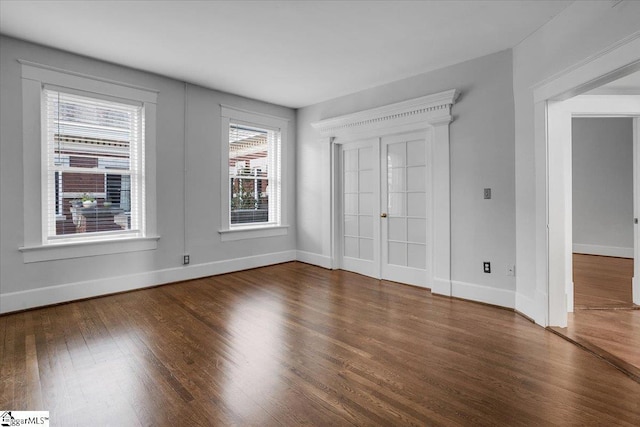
<point>253,232</point>
<point>59,251</point>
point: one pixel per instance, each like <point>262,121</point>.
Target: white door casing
<point>559,115</point>
<point>616,61</point>
<point>428,114</point>
<point>636,211</point>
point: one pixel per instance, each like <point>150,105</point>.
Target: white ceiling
<point>293,53</point>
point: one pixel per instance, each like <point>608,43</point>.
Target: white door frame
<point>553,257</point>
<point>378,266</point>
<point>432,114</point>
<point>636,211</point>
<point>559,115</point>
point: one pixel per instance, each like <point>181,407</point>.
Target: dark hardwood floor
<point>295,344</point>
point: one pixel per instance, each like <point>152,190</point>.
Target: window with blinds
<point>254,175</point>
<point>94,167</point>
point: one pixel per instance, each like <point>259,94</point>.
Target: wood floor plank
<point>9,365</point>
<point>294,344</point>
<point>17,365</point>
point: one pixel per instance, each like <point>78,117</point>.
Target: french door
<point>385,205</point>
<point>360,207</point>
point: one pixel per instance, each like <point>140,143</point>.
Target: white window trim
<point>83,249</point>
<point>253,232</point>
<point>35,248</point>
<point>135,169</point>
<point>227,233</point>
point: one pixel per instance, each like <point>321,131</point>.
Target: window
<point>254,173</point>
<point>253,146</point>
<point>89,165</point>
<point>94,164</point>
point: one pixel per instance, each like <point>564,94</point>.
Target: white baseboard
<point>441,287</point>
<point>15,301</point>
<point>314,259</point>
<point>533,308</point>
<point>580,248</point>
<point>482,293</point>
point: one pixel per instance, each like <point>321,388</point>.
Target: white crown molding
<point>430,109</point>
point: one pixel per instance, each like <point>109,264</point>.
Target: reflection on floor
<point>605,321</point>
<point>294,344</point>
<point>602,282</point>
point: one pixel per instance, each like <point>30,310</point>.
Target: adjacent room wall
<point>25,285</point>
<point>482,156</point>
<point>603,185</point>
<point>582,30</point>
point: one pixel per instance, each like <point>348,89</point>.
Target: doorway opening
<point>587,205</point>
<point>417,247</point>
<point>385,207</point>
<point>603,212</point>
<point>560,176</point>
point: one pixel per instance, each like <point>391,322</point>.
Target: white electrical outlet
<point>511,270</point>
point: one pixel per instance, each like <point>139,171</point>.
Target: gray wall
<point>203,130</point>
<point>603,181</point>
<point>578,33</point>
<point>482,155</point>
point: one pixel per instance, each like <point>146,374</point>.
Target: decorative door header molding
<point>411,114</point>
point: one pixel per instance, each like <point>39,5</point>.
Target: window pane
<point>253,175</point>
<point>93,155</point>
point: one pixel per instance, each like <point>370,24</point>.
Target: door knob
<point>383,215</point>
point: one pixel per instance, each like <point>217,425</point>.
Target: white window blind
<point>94,168</point>
<point>254,175</point>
